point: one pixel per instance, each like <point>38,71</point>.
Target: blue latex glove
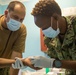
<point>18,64</point>
<point>42,62</point>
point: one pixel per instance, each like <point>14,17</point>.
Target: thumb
<point>21,63</point>
<point>33,61</point>
<point>13,65</point>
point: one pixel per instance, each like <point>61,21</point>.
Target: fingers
<point>40,61</point>
<point>18,64</point>
<point>15,65</point>
<point>36,68</point>
<point>38,65</point>
<point>33,61</point>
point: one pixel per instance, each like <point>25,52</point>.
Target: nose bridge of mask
<point>14,21</point>
<point>9,16</point>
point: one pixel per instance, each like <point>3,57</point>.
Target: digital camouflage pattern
<point>4,71</point>
<point>66,50</point>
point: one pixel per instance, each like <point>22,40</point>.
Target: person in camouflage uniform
<point>66,50</point>
<point>47,13</point>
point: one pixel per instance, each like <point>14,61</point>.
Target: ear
<point>55,16</point>
<point>6,13</point>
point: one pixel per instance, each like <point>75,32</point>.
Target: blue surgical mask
<point>50,32</point>
<point>13,25</point>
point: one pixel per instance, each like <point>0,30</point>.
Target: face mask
<point>13,25</point>
<point>50,32</point>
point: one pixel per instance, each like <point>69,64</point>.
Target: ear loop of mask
<point>8,17</point>
<point>52,24</point>
<point>51,21</point>
<point>8,14</point>
<point>57,25</point>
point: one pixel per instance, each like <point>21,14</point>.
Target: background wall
<point>66,3</point>
<point>33,35</point>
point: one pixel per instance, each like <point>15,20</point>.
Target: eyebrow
<point>17,17</point>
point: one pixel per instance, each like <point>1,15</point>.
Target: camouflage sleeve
<point>74,24</point>
<point>50,52</point>
<point>47,41</point>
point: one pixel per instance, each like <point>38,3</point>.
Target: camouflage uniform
<point>4,71</point>
<point>66,50</point>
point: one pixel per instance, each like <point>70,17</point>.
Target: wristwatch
<point>57,64</point>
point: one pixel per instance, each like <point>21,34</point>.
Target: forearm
<point>14,71</point>
<point>67,64</point>
<point>6,62</point>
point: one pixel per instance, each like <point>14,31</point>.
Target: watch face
<point>58,63</point>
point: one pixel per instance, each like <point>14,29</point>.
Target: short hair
<point>12,5</point>
<point>46,8</point>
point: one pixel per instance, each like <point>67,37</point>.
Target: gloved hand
<point>42,62</point>
<point>18,64</point>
